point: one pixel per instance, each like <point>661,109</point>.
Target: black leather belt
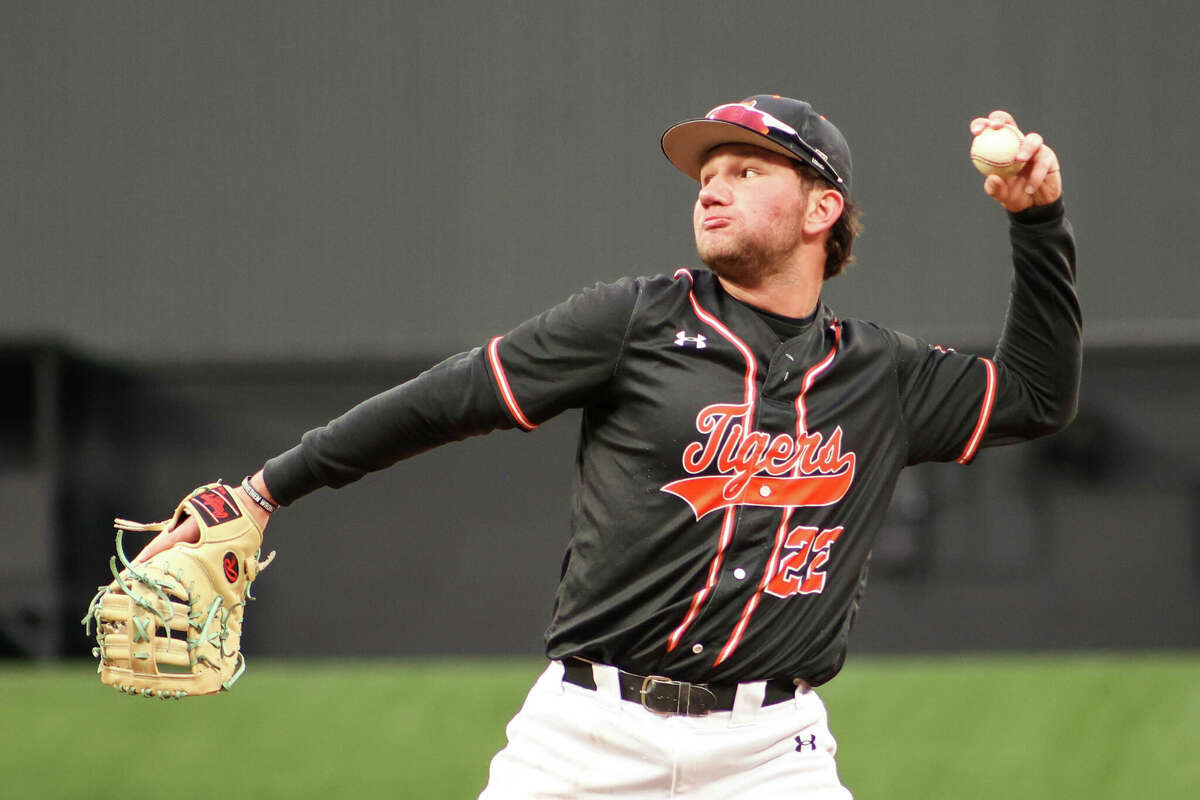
<point>666,696</point>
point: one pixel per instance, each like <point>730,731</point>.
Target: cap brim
<point>687,143</point>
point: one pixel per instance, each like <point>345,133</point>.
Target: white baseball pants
<point>571,742</point>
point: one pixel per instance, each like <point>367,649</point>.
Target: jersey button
<point>697,648</point>
<point>739,573</point>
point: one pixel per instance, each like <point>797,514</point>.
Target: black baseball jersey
<point>733,467</point>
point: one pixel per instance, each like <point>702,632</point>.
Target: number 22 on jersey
<point>802,570</point>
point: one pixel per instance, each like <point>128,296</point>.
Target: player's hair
<point>840,243</point>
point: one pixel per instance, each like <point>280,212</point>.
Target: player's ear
<point>824,208</point>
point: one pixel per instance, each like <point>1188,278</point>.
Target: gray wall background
<point>256,181</point>
<point>225,222</point>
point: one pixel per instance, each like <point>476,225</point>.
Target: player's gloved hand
<point>170,626</point>
<point>189,531</point>
<point>1038,183</point>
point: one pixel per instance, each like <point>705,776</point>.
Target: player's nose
<point>714,191</point>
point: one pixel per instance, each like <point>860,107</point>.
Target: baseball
<point>994,151</point>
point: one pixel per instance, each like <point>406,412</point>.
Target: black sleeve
<point>953,404</point>
<point>943,399</point>
<point>550,363</point>
<point>558,360</point>
<point>1039,359</point>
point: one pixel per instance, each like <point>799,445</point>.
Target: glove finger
<point>186,531</point>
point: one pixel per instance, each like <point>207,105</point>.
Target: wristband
<point>263,503</point>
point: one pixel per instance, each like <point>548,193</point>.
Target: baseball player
<point>740,441</point>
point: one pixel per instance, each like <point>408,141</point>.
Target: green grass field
<point>981,727</point>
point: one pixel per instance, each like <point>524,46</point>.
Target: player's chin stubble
<point>738,262</point>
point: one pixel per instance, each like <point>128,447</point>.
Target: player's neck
<point>793,293</point>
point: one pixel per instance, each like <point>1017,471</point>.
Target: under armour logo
<point>681,339</point>
<point>801,743</point>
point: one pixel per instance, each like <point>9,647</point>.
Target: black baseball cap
<point>786,126</point>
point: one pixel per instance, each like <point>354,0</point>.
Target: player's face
<point>749,214</point>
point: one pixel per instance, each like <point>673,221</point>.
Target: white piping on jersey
<point>713,571</point>
<point>985,414</point>
<point>493,353</point>
<point>750,393</point>
<point>810,378</point>
<point>747,353</point>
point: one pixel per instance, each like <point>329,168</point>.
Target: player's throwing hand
<point>1038,183</point>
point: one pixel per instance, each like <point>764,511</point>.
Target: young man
<point>739,445</point>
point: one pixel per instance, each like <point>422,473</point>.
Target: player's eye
<point>748,172</point>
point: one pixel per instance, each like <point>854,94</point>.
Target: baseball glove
<point>172,626</point>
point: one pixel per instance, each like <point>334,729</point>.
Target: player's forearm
<point>447,403</point>
<point>1039,355</point>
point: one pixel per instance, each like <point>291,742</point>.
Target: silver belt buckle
<point>646,682</point>
<point>691,699</point>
